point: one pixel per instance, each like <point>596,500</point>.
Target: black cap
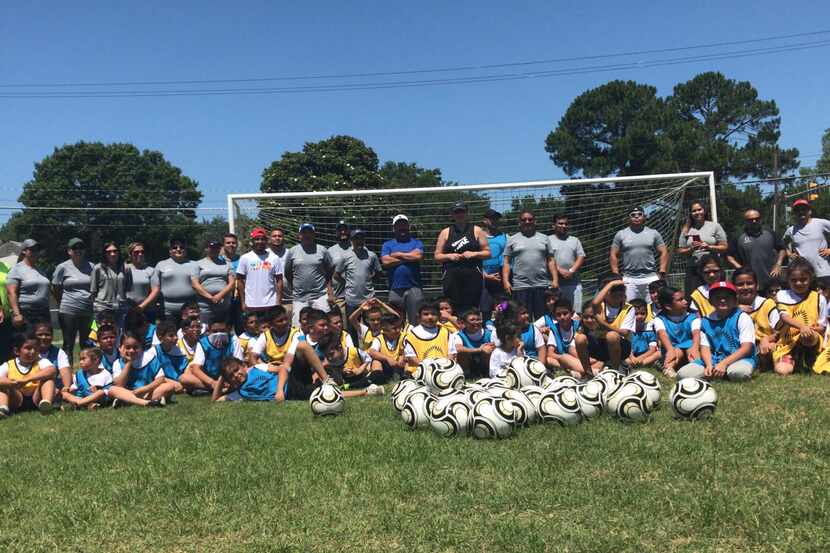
<point>340,224</point>
<point>492,214</point>
<point>358,232</point>
<point>459,206</point>
<point>214,244</point>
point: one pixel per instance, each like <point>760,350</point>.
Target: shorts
<point>297,390</point>
<point>598,348</point>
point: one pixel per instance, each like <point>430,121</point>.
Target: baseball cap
<point>341,223</point>
<point>801,201</point>
<point>75,242</point>
<point>30,243</point>
<point>636,209</point>
<point>492,214</point>
<point>459,206</point>
<point>258,232</point>
<point>723,285</point>
<point>358,232</point>
<point>214,244</point>
<point>399,217</point>
<point>307,226</point>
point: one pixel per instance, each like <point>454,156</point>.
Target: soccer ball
<point>523,371</point>
<point>493,418</point>
<point>489,382</point>
<point>445,374</point>
<point>400,392</point>
<point>424,370</point>
<point>649,382</point>
<point>693,399</point>
<point>561,407</point>
<point>415,412</point>
<point>526,413</point>
<point>497,391</point>
<point>630,403</point>
<point>326,400</point>
<point>449,415</point>
<point>560,382</point>
<point>612,380</point>
<point>534,393</point>
<point>590,398</point>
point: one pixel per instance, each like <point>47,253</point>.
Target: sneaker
<point>375,390</point>
<point>45,406</point>
<point>4,412</point>
<point>117,404</point>
<point>155,403</point>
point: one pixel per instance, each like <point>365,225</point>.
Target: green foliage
<point>107,181</point>
<point>197,477</point>
<point>823,163</point>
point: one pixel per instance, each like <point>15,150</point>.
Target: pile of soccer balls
<point>523,393</point>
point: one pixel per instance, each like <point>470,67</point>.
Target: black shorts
<point>299,390</point>
<point>598,348</point>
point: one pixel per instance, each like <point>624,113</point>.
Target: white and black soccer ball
<point>534,393</point>
<point>326,400</point>
<point>475,394</point>
<point>560,406</point>
<point>445,374</point>
<point>493,418</point>
<point>560,382</point>
<point>649,382</point>
<point>693,399</point>
<point>415,412</point>
<point>524,371</point>
<point>490,382</point>
<point>450,414</point>
<point>526,413</point>
<point>400,392</point>
<point>630,403</point>
<point>590,398</point>
<point>612,380</point>
<point>424,370</point>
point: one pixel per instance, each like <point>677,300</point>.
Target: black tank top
<point>460,241</point>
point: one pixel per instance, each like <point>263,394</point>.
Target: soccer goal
<point>597,208</point>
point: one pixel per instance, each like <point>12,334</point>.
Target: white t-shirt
<point>258,347</point>
<point>498,358</point>
<point>375,346</point>
<point>261,274</point>
<point>100,380</point>
<point>41,365</point>
<point>788,297</point>
<point>146,357</point>
<point>63,360</point>
<point>567,337</point>
<point>427,334</point>
<point>746,329</point>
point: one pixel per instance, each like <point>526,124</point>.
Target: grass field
<point>258,477</point>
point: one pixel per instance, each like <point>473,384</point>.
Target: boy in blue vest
<point>474,344</point>
<point>567,345</point>
<point>201,375</point>
<point>90,383</point>
<point>644,350</point>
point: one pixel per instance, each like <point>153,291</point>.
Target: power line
<point>419,71</point>
<point>380,85</point>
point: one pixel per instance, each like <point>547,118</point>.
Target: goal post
<point>597,208</point>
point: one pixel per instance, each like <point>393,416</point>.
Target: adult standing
<point>807,238</point>
<point>634,253</point>
<point>308,270</point>
<point>698,237</point>
<point>460,248</point>
<point>401,258</point>
<point>276,243</point>
<point>259,276</point>
<point>570,256</point>
<point>491,266</point>
<point>357,268</point>
<point>757,248</point>
<point>141,282</point>
<point>28,288</point>
<point>107,281</point>
<point>230,245</point>
<point>337,252</point>
<point>70,286</point>
<point>214,283</point>
<point>529,266</point>
<point>175,275</point>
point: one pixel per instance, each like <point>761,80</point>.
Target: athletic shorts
<point>598,348</point>
<point>295,389</point>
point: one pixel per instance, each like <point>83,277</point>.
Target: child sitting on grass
<point>428,339</point>
<point>107,339</point>
<point>804,312</point>
<point>644,351</point>
<point>350,369</point>
<point>90,383</point>
<point>203,371</point>
<point>446,315</point>
<point>387,351</point>
<point>26,381</point>
<point>598,354</point>
<point>615,320</point>
<point>250,333</point>
<point>54,354</point>
<point>336,328</point>
<point>654,306</point>
<point>673,326</point>
<point>261,382</point>
<point>546,321</point>
<point>567,346</point>
<point>510,346</point>
<point>137,375</point>
<point>710,272</point>
<point>370,312</point>
<point>273,344</point>
<point>763,311</point>
<point>474,345</point>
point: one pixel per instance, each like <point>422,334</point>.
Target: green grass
<point>258,477</point>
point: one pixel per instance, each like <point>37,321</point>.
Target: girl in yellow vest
<point>710,273</point>
<point>26,380</point>
<point>428,340</point>
<point>804,312</point>
<point>764,313</point>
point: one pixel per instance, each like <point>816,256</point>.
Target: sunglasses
<point>137,252</point>
<point>177,247</point>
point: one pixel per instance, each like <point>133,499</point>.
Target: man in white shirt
<point>259,275</point>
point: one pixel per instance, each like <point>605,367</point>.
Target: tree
<point>823,163</point>
<point>94,191</point>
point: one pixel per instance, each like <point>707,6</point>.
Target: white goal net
<point>596,208</point>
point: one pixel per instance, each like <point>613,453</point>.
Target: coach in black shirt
<point>758,248</point>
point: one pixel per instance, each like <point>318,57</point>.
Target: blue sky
<point>473,133</point>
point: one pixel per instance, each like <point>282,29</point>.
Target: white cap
<point>399,217</point>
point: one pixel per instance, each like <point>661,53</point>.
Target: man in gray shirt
<point>337,252</point>
<point>308,270</point>
<point>757,248</point>
<point>570,256</point>
<point>357,268</point>
<point>533,266</point>
<point>807,238</point>
<point>638,245</point>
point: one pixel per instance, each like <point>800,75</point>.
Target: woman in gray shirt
<point>28,288</point>
<point>214,282</point>
<point>141,282</point>
<point>107,281</point>
<point>70,285</point>
<point>698,237</point>
<point>174,274</point>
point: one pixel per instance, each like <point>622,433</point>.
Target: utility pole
<point>775,190</point>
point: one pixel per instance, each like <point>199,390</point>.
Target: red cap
<point>723,285</point>
<point>258,232</point>
<point>801,201</point>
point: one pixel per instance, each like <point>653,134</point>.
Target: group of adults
<point>480,264</point>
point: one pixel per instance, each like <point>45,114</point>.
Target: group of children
<point>729,330</point>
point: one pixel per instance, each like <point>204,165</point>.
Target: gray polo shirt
<point>358,268</point>
<point>174,280</point>
<point>566,251</point>
<point>638,251</point>
<point>308,270</point>
<point>529,260</point>
<point>74,282</point>
<point>807,240</point>
<point>338,252</point>
<point>213,277</point>
<point>710,233</point>
<point>142,281</point>
<point>32,286</point>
